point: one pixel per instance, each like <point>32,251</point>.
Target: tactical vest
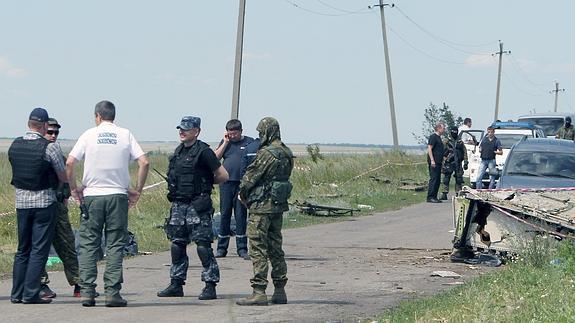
<point>488,148</point>
<point>29,169</point>
<point>275,189</point>
<point>455,151</point>
<point>185,179</point>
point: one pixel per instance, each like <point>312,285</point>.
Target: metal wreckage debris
<point>325,210</point>
<point>504,221</point>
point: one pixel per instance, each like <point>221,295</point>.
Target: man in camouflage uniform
<point>455,154</point>
<point>193,170</point>
<point>566,131</point>
<point>63,240</point>
<point>265,189</point>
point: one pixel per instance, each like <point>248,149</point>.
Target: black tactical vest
<point>187,180</point>
<point>29,169</point>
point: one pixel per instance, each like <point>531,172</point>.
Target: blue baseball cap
<point>39,114</point>
<point>189,122</point>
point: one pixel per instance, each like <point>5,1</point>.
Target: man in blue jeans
<point>231,149</point>
<point>38,170</point>
<point>488,148</point>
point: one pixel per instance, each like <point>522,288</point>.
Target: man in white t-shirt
<point>466,137</point>
<point>105,196</point>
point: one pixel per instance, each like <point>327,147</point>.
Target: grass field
<point>343,180</point>
<point>539,287</point>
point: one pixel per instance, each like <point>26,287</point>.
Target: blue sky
<point>315,65</point>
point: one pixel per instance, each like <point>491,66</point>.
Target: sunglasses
<point>53,132</point>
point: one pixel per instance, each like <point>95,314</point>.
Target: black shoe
<point>46,292</point>
<point>116,301</point>
<point>76,292</point>
<point>209,292</point>
<point>243,254</point>
<point>221,253</point>
<point>433,200</point>
<point>15,301</point>
<point>443,197</point>
<point>175,289</point>
<point>38,301</point>
<point>88,302</point>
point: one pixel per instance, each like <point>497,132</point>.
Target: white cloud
<point>526,64</point>
<point>481,60</point>
<point>8,69</point>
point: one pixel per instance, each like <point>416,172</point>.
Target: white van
<point>550,122</point>
<point>508,134</point>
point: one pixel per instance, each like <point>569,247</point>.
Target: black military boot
<point>175,289</point>
<point>209,292</point>
<point>279,296</point>
<point>443,196</point>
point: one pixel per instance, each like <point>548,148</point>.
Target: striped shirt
<point>26,199</point>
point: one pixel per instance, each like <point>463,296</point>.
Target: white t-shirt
<point>466,137</point>
<point>107,151</point>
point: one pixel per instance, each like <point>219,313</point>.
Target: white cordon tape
<point>528,223</point>
<point>526,189</point>
<point>73,201</point>
<point>387,163</point>
<point>7,213</point>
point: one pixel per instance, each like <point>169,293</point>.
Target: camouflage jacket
<point>265,185</point>
<point>455,152</point>
<point>565,133</point>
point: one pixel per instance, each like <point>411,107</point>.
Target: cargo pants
<point>110,214</point>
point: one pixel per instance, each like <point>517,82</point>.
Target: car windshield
<point>544,163</point>
<point>550,125</point>
<point>508,139</point>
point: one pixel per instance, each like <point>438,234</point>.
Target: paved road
<point>348,270</point>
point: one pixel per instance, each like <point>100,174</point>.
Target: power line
<point>422,51</point>
<point>516,86</point>
<point>362,10</point>
<point>517,66</point>
<point>315,12</point>
<point>443,40</point>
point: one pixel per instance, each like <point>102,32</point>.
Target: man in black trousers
<point>434,159</point>
<point>37,170</point>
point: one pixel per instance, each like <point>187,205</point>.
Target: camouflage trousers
<point>458,174</point>
<point>265,239</point>
<point>64,244</point>
<point>192,222</point>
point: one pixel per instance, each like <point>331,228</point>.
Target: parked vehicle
<point>471,138</point>
<point>550,122</point>
<point>508,133</point>
<point>537,189</point>
<point>539,163</point>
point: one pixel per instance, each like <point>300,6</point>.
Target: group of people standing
<point>254,176</point>
<point>449,157</point>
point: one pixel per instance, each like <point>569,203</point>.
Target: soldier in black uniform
<point>193,170</point>
<point>455,154</point>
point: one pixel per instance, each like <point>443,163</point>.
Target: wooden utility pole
<point>238,62</point>
<point>557,90</point>
<point>500,53</point>
<point>388,73</point>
